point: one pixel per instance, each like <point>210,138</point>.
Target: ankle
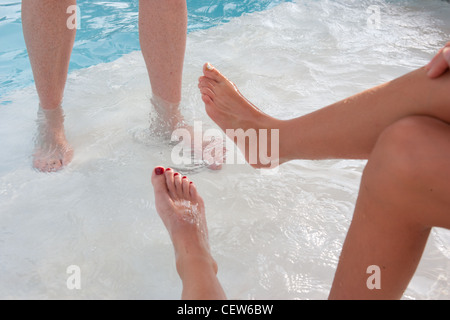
<point>164,108</point>
<point>195,264</point>
<point>168,116</point>
<point>282,153</point>
<point>51,118</point>
<point>52,104</point>
<point>288,141</point>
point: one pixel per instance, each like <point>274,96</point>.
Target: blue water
<point>108,30</point>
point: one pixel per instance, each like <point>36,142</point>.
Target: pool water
<point>274,236</point>
<point>107,30</point>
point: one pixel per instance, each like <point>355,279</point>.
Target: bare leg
<point>163,30</point>
<point>49,43</point>
<point>348,129</point>
<point>402,127</point>
<point>183,212</point>
<point>404,193</point>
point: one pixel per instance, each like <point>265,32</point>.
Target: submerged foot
<point>52,151</point>
<point>231,111</point>
<point>169,124</point>
<point>183,212</point>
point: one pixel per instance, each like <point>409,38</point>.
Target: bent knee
<point>412,150</point>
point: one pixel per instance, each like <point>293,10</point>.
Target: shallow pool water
<point>106,30</point>
<point>274,236</point>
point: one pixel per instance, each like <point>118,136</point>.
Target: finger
<point>439,64</point>
<point>434,60</point>
<point>446,54</point>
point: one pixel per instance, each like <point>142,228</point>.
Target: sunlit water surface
<point>275,236</point>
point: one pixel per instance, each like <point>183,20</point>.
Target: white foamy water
<point>274,236</point>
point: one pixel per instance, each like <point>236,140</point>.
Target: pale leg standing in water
<point>49,42</point>
<point>163,28</point>
<point>162,34</point>
<point>402,128</point>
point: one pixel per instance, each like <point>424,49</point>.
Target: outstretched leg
<point>402,127</point>
<point>49,43</point>
<point>183,212</point>
<point>347,129</point>
<point>404,193</point>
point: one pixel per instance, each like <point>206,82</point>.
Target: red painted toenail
<point>159,171</point>
<point>191,182</point>
<point>184,177</point>
<point>176,173</point>
<point>168,169</point>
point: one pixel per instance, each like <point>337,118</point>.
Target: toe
<point>159,181</point>
<point>192,190</point>
<point>178,185</point>
<point>206,82</point>
<point>207,89</point>
<point>193,194</point>
<point>185,184</point>
<point>211,72</point>
<point>169,175</point>
<point>207,93</point>
<point>206,99</point>
<point>55,165</point>
<point>47,165</point>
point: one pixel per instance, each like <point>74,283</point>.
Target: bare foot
<point>231,111</point>
<point>167,119</point>
<point>52,151</point>
<point>183,212</point>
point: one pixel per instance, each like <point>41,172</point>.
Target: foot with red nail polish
<point>183,212</point>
